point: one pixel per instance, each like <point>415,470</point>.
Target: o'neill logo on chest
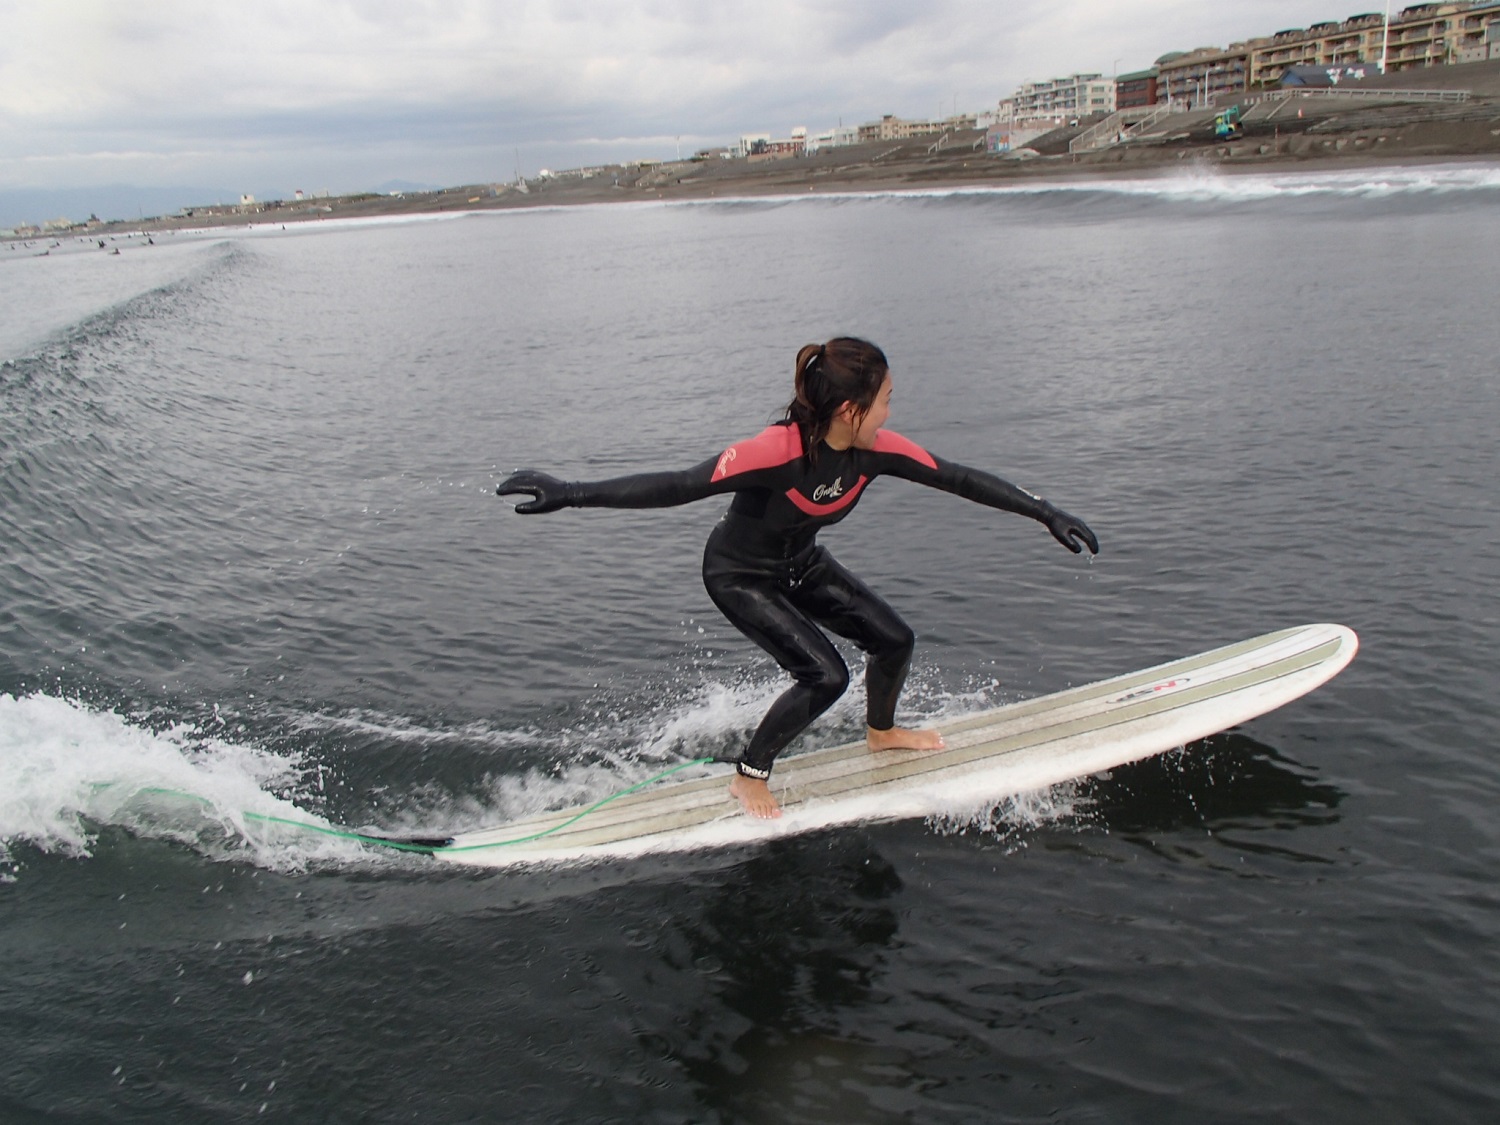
<point>827,498</point>
<point>829,491</point>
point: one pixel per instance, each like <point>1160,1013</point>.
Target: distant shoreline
<point>1035,174</point>
<point>874,169</point>
<point>1434,115</point>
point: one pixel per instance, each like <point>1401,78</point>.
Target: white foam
<point>1196,183</point>
<point>601,759</point>
<point>66,770</point>
<point>402,728</point>
<point>1209,185</point>
<point>1011,819</point>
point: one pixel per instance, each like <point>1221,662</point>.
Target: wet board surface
<point>1012,749</point>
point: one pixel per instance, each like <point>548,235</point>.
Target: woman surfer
<point>763,567</point>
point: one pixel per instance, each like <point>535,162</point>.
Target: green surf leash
<point>426,845</point>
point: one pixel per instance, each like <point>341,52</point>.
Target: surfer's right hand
<point>548,493</point>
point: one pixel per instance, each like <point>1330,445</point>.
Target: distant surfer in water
<point>763,566</point>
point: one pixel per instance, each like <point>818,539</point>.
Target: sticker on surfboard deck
<point>1017,748</point>
<point>1168,685</point>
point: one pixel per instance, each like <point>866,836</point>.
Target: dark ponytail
<point>828,375</point>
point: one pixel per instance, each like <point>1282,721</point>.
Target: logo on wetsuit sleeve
<point>829,491</point>
<point>729,455</point>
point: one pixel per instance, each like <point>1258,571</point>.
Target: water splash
<point>588,760</point>
<point>1011,820</point>
<point>66,770</point>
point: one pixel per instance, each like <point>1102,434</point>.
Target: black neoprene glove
<point>548,493</point>
<point>1070,531</point>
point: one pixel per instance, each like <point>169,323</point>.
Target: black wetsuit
<point>765,571</point>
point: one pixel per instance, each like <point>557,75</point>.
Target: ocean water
<point>251,565</point>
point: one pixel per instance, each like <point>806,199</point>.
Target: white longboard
<point>1013,749</point>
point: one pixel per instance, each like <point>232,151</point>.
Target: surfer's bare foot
<point>899,738</point>
<point>754,797</point>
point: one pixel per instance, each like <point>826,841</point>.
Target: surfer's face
<point>869,426</point>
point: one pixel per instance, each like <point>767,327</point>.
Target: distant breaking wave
<point>1199,185</point>
<point>78,310</point>
<point>1205,185</point>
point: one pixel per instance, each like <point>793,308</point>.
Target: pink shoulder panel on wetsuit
<point>888,442</point>
<point>775,445</point>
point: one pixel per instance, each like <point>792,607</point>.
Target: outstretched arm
<point>760,462</point>
<point>904,458</point>
<point>986,488</point>
<point>641,490</point>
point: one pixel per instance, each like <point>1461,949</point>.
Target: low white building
<point>752,142</point>
<point>837,137</point>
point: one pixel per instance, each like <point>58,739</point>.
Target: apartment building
<point>1480,49</point>
<point>1137,89</point>
<point>1439,34</point>
<point>1077,95</point>
<point>1199,77</point>
<point>1420,35</point>
<point>1356,39</point>
<point>893,128</point>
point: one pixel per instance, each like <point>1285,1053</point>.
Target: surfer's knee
<point>891,648</point>
<point>827,679</point>
<point>900,642</point>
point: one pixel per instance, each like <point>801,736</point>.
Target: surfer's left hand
<point>1071,531</point>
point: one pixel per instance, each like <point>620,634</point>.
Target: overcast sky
<point>268,96</point>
